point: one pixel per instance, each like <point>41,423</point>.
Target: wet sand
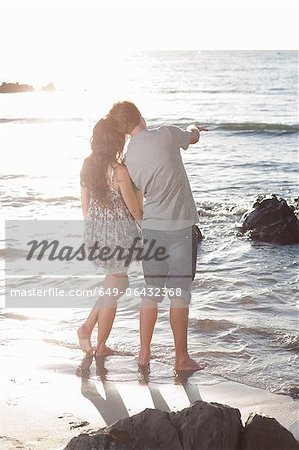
<point>46,399</point>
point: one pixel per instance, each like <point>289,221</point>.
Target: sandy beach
<point>46,399</point>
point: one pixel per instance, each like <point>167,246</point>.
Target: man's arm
<point>195,132</point>
<point>183,138</point>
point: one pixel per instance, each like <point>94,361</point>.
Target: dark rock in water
<point>294,392</point>
<point>271,220</point>
<point>208,426</point>
<point>196,234</point>
<point>8,88</point>
<point>265,433</point>
<point>197,237</point>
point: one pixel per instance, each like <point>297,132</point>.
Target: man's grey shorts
<point>177,271</point>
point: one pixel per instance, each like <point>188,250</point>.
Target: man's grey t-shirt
<point>155,165</point>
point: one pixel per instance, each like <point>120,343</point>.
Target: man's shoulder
<point>161,130</point>
<point>163,127</point>
<point>160,134</point>
<point>154,129</point>
<point>148,134</point>
<point>169,129</point>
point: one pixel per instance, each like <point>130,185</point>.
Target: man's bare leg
<point>179,312</point>
<point>148,317</point>
<point>119,281</point>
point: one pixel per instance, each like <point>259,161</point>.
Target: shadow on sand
<point>111,406</point>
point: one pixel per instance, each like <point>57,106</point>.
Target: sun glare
<point>75,42</point>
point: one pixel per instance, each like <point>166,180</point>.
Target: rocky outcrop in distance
<point>9,88</point>
<point>202,426</point>
<point>50,87</point>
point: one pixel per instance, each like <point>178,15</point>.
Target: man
<point>155,165</point>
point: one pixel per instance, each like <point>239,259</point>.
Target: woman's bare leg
<point>107,310</point>
<point>84,331</point>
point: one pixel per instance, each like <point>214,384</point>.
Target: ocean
<point>243,315</point>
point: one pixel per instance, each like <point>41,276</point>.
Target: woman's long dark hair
<point>107,145</point>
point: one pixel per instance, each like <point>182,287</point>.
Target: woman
<point>111,207</point>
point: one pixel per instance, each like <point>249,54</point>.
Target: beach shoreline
<point>44,403</point>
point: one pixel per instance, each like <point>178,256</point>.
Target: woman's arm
<point>85,193</point>
<point>131,198</point>
<point>139,196</point>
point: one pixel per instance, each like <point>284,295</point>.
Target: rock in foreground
<point>265,433</point>
<point>208,426</point>
<point>202,426</point>
<point>272,220</point>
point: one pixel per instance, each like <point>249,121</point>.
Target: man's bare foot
<point>103,350</point>
<point>84,340</point>
<point>189,364</point>
<point>144,358</point>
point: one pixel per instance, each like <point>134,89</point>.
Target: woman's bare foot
<point>84,340</point>
<point>189,364</point>
<point>103,350</point>
<point>144,357</point>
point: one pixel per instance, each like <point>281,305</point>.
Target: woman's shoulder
<point>120,170</point>
<point>86,166</point>
<point>85,171</point>
<point>86,162</point>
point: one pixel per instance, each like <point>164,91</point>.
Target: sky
<point>44,40</point>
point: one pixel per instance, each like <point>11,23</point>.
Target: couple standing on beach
<point>113,186</point>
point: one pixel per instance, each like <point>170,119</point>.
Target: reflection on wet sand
<point>111,406</point>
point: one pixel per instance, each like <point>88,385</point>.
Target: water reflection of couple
<point>112,192</point>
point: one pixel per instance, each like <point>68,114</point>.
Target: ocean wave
<point>9,253</point>
<point>181,122</point>
<point>257,127</point>
<point>286,339</point>
<point>219,209</point>
<point>20,201</point>
<point>11,176</point>
<point>57,200</point>
<point>211,325</point>
<point>239,127</point>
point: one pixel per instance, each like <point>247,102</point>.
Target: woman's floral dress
<point>111,225</point>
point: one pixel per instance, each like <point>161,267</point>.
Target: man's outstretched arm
<point>195,132</point>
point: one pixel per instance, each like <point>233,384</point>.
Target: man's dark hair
<point>125,116</point>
